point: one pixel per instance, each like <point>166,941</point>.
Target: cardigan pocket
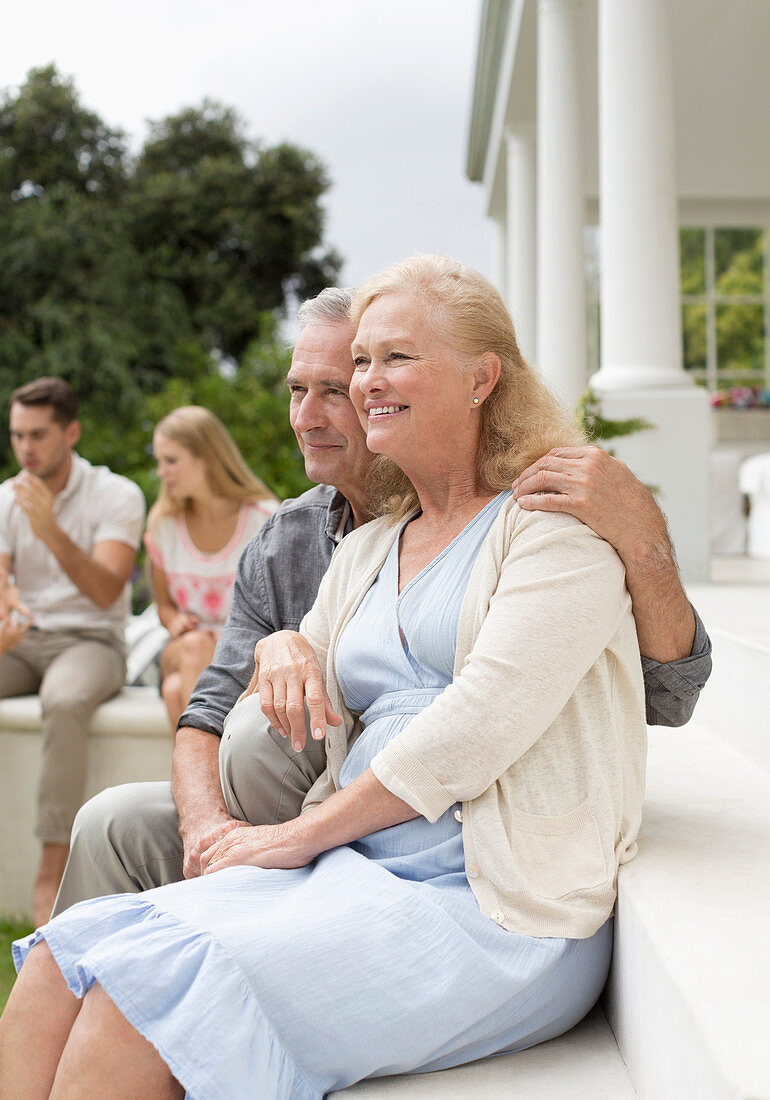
<point>558,855</point>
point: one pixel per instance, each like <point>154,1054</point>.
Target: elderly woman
<point>448,889</point>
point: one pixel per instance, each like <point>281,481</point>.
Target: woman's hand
<point>197,845</point>
<point>287,676</point>
<point>182,622</point>
<point>281,846</point>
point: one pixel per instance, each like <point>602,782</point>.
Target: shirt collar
<point>75,478</point>
<point>339,517</point>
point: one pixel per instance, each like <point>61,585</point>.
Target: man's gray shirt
<point>276,585</point>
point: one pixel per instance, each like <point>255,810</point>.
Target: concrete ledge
<point>733,704</point>
<point>689,991</point>
<point>133,712</point>
<point>584,1064</point>
<point>130,742</point>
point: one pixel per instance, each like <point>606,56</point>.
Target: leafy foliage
<point>154,282</point>
<point>227,223</point>
<point>598,428</point>
<point>9,931</point>
<point>47,137</point>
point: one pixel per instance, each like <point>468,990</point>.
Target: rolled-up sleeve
<point>122,514</point>
<point>671,689</point>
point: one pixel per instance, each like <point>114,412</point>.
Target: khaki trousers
<point>126,839</point>
<point>72,673</point>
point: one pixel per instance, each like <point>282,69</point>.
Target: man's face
<point>326,425</point>
<point>41,445</point>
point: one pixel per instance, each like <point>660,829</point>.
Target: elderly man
<point>68,535</point>
<point>135,837</point>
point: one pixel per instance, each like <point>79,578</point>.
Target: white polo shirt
<point>94,506</point>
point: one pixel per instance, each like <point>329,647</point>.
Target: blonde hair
<point>203,434</point>
<point>520,419</point>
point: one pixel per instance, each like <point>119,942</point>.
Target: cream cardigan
<point>541,735</point>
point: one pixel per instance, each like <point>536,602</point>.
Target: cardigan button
<point>498,917</point>
<point>472,872</point>
<point>459,815</point>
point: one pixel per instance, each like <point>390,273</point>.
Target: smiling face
<point>410,388</point>
<point>40,443</point>
<point>182,473</point>
<point>326,425</point>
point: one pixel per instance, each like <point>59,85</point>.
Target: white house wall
<point>722,98</point>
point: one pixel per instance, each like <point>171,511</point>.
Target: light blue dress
<point>285,985</point>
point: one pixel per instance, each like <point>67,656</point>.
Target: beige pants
<point>126,839</point>
<point>73,673</point>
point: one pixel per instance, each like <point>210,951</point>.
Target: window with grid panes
<point>725,305</point>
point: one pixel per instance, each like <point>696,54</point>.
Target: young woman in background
<point>210,505</point>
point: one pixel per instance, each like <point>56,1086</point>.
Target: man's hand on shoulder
<point>602,492</point>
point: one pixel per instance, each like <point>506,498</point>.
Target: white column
<point>521,185</point>
<point>500,256</point>
<point>641,324</point>
<point>641,372</point>
<point>561,305</point>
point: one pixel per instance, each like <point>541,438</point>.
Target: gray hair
<point>331,305</point>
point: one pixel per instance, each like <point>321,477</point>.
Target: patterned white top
<point>199,583</point>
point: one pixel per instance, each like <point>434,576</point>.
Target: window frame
<point>710,299</point>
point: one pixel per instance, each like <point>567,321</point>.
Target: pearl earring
<point>475,400</point>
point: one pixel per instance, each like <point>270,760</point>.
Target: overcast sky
<point>379,89</point>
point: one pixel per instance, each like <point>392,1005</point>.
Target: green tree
<point>153,282</point>
<point>47,138</point>
<point>75,299</point>
<point>252,401</point>
<point>233,227</point>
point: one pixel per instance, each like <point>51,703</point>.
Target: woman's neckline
<point>442,553</point>
<point>212,555</point>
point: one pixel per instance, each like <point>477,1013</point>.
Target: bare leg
<point>182,662</point>
<point>49,876</point>
<point>171,691</point>
<point>197,655</point>
<point>35,1027</point>
<point>106,1057</point>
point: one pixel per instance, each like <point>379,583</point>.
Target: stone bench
<point>130,741</point>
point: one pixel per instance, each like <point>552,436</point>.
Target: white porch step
<point>689,991</point>
<point>734,704</point>
<point>584,1064</point>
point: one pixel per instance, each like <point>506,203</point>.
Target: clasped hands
<point>232,843</point>
<point>288,678</point>
<point>285,846</point>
